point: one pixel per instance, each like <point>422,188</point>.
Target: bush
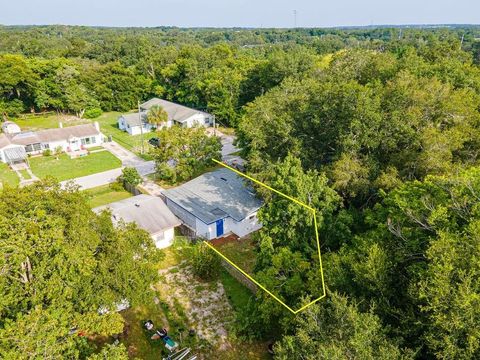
<point>93,113</point>
<point>47,152</point>
<point>204,261</point>
<point>130,176</point>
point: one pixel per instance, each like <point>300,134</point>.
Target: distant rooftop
<point>175,111</point>
<point>215,195</point>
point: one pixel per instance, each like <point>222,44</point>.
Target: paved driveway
<point>129,159</point>
<point>94,180</point>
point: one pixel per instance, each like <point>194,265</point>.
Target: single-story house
<point>15,147</point>
<point>150,214</point>
<point>215,204</point>
<point>133,123</point>
<point>177,115</point>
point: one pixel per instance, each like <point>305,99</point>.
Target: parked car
<point>154,142</point>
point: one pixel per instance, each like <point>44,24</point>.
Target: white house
<point>133,123</point>
<point>15,147</point>
<point>177,115</point>
<point>215,204</point>
<point>150,214</point>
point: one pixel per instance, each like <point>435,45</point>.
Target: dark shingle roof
<point>215,195</point>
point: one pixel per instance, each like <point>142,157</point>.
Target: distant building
<point>177,115</point>
<point>14,147</point>
<point>215,204</point>
<point>9,127</point>
<point>149,213</point>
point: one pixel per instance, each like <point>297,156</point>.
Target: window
<point>86,141</point>
<point>46,146</point>
<point>33,147</point>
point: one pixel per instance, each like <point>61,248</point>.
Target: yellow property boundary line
<point>316,236</point>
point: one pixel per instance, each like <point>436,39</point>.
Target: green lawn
<point>25,174</point>
<point>49,121</point>
<point>65,168</point>
<point>103,195</point>
<point>7,176</point>
<point>241,252</point>
<point>108,126</point>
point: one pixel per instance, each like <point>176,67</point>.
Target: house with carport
<point>16,146</point>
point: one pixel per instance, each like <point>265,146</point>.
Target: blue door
<point>219,227</point>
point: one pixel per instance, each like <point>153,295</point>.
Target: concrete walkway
<point>151,187</point>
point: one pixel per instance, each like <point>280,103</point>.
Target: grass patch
<point>103,195</point>
<point>25,174</point>
<point>109,127</point>
<point>136,339</point>
<point>8,176</point>
<point>238,295</point>
<point>226,130</point>
<point>241,252</point>
<point>47,121</point>
<point>65,168</point>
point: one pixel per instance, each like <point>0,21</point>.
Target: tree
<point>58,258</point>
<point>205,263</point>
<point>130,177</point>
<point>336,329</point>
<point>157,115</point>
<point>184,152</point>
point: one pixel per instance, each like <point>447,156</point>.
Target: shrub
<point>204,261</point>
<point>47,152</point>
<point>130,176</point>
<point>93,113</point>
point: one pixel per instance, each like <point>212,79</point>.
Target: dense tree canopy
<point>378,129</point>
<point>58,259</point>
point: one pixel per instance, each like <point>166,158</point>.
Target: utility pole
<point>141,125</point>
<point>294,18</point>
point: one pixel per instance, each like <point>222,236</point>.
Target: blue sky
<point>229,13</point>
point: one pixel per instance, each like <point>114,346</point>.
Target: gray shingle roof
<point>149,212</point>
<point>175,111</point>
<point>133,120</point>
<point>49,135</point>
<point>215,195</point>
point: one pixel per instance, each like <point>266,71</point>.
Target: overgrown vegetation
<point>378,129</point>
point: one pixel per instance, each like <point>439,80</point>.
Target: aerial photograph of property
<point>240,180</point>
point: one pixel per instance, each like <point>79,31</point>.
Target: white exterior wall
<point>164,239</point>
<point>246,226</point>
<point>239,228</point>
<point>133,130</point>
<point>197,119</point>
<point>207,231</point>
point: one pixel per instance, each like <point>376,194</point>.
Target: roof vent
<point>137,204</point>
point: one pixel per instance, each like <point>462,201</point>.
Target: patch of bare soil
<point>205,305</point>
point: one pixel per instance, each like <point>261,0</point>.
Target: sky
<point>241,13</point>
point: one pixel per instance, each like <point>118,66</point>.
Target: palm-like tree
<point>157,115</point>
